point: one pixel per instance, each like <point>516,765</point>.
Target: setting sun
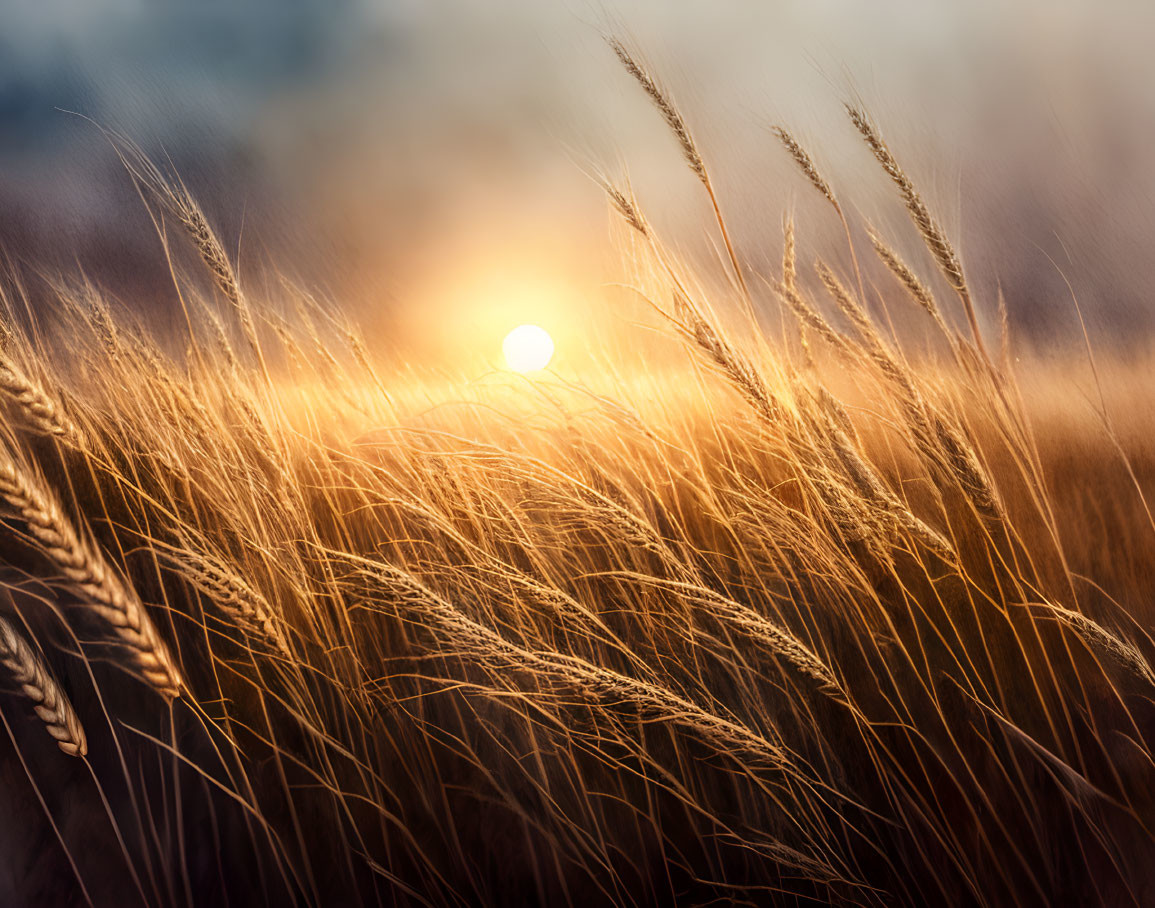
<point>527,348</point>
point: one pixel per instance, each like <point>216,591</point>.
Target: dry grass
<point>868,632</point>
<point>25,669</point>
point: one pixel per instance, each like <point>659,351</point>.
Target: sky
<point>398,151</point>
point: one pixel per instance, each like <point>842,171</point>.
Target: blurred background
<point>427,161</point>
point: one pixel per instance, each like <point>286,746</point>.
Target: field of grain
<point>812,613</point>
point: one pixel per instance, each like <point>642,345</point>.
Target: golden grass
<point>865,632</point>
<point>25,669</point>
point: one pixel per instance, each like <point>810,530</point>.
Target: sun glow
<point>527,348</point>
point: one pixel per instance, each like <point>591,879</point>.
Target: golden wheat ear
<point>36,408</point>
<point>918,291</point>
<point>595,684</point>
<point>677,124</point>
<point>1097,638</point>
<point>233,597</point>
<point>661,101</point>
<point>626,205</point>
<point>174,197</point>
<point>806,165</point>
<point>929,229</point>
<point>24,668</point>
<point>86,572</point>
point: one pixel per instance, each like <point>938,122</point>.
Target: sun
<point>527,348</point>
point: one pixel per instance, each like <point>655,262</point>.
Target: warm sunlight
<point>435,470</point>
<point>527,348</point>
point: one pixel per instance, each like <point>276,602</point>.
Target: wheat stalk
<point>809,316</point>
<point>689,149</point>
<point>918,291</point>
<point>936,436</point>
<point>105,594</point>
<point>790,281</point>
<point>1098,638</point>
<point>665,107</point>
<point>963,461</point>
<point>34,404</point>
<point>806,165</point>
<point>175,197</point>
<point>930,231</point>
<point>849,306</point>
<point>758,628</point>
<point>626,205</point>
<point>737,368</point>
<point>25,668</point>
<point>229,592</point>
<point>599,685</point>
<point>873,489</point>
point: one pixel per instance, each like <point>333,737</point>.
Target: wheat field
<point>812,615</point>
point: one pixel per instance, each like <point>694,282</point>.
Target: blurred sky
<point>400,151</point>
